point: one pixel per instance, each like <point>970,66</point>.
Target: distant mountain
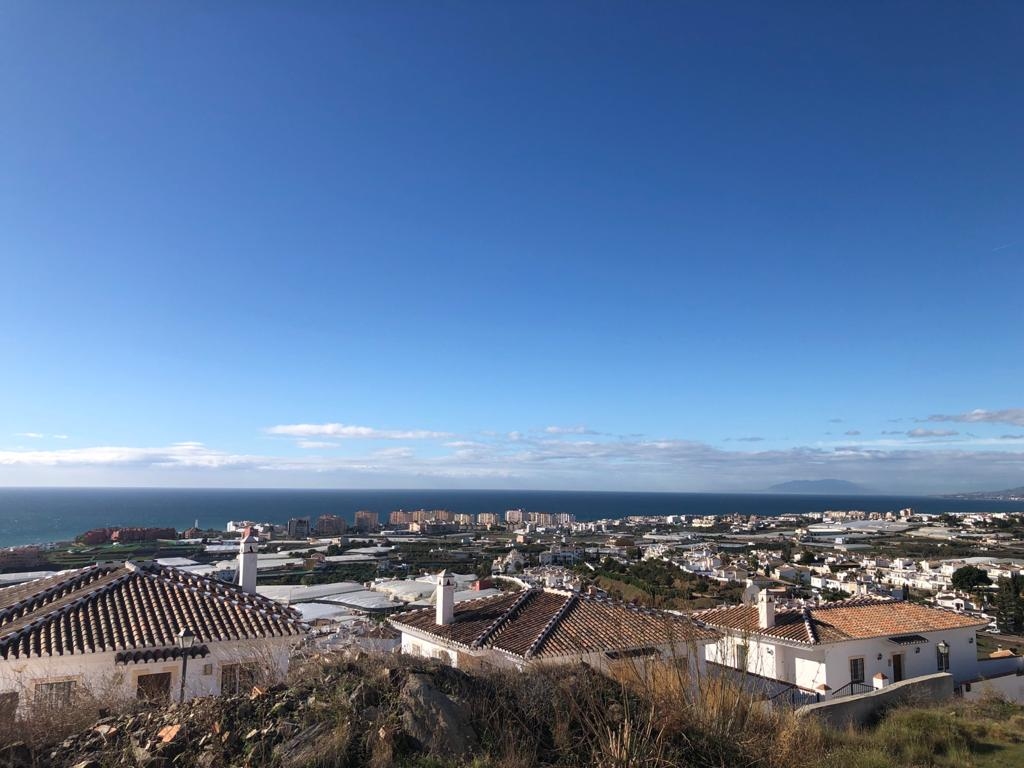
<point>819,486</point>
<point>1010,494</point>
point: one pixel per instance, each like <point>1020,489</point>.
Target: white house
<point>545,627</point>
<point>844,647</point>
<point>115,630</point>
<point>513,562</point>
<point>559,555</point>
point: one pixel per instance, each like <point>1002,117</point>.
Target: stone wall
<point>864,708</point>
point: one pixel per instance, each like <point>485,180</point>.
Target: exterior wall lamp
<point>186,639</point>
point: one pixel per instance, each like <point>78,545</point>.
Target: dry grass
<point>641,716</point>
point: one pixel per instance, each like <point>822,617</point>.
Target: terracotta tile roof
<point>546,622</point>
<point>857,618</point>
<point>128,606</point>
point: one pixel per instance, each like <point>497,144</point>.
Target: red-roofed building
<point>542,627</point>
<point>114,629</point>
<point>839,648</point>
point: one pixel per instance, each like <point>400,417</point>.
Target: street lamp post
<point>943,647</point>
<point>186,639</point>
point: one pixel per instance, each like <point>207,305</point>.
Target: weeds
<point>338,711</point>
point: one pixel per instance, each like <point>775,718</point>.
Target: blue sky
<point>665,246</point>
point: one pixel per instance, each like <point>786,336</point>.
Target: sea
<point>46,515</point>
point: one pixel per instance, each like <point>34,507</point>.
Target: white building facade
<point>846,647</point>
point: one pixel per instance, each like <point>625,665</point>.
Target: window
<point>8,705</point>
<point>237,678</point>
<point>941,660</point>
<point>155,687</point>
<point>857,670</point>
<point>54,695</point>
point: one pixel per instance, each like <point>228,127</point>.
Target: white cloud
<point>335,429</point>
<point>931,432</point>
<point>187,454</point>
<point>402,452</point>
<point>40,435</point>
<point>1014,416</point>
<point>538,460</point>
<point>579,429</point>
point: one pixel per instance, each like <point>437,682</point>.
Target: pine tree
<point>1009,605</point>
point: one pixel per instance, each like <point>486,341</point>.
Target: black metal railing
<point>788,692</point>
<point>851,688</point>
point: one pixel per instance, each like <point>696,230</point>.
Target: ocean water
<point>37,515</point>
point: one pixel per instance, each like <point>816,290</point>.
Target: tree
<point>970,578</point>
<point>1009,605</point>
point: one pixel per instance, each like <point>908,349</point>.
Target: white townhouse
<point>127,630</point>
<point>543,627</point>
<point>844,647</point>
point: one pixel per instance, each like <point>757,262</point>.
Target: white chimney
<point>247,561</point>
<point>765,610</point>
<point>750,593</point>
<point>444,596</point>
<point>880,680</point>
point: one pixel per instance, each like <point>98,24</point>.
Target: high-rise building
<point>542,518</point>
<point>514,516</point>
<point>487,518</point>
<point>367,520</point>
<point>401,517</point>
<point>298,528</point>
<point>331,525</point>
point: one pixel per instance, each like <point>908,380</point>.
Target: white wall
<point>98,675</point>
<point>1008,686</point>
<point>426,647</point>
<point>798,665</point>
<point>963,662</point>
<point>829,663</point>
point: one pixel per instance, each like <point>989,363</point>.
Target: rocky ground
<point>337,714</point>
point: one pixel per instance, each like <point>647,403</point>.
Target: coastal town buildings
<point>126,535</point>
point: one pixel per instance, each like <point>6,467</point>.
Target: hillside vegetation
<point>385,710</point>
